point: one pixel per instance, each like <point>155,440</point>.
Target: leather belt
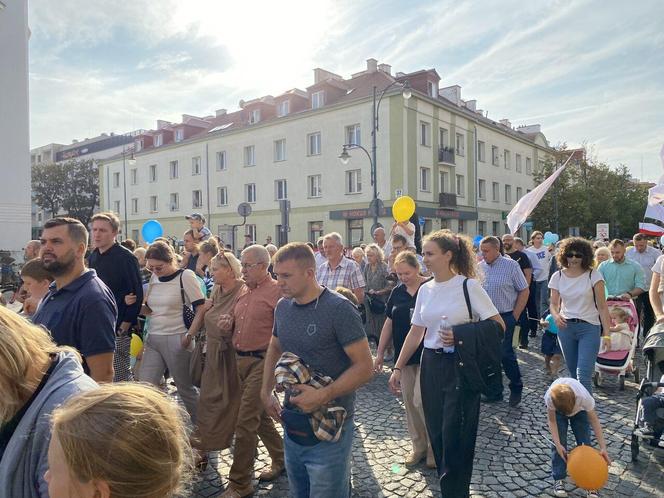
<point>255,354</point>
<point>575,320</point>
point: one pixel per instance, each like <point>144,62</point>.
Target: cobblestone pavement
<point>512,456</point>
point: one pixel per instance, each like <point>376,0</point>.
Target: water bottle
<point>445,325</point>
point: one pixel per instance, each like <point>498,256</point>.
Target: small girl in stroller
<point>653,411</point>
<point>621,335</point>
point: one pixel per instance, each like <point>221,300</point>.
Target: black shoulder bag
<point>187,311</point>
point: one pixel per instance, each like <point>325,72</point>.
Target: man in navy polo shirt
<point>79,310</point>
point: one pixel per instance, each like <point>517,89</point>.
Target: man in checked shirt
<point>339,271</point>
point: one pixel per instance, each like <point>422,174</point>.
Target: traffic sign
<point>244,209</point>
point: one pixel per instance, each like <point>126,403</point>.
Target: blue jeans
<point>581,430</point>
<point>580,344</point>
<point>322,470</point>
<point>542,298</point>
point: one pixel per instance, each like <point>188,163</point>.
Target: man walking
<point>646,256</point>
<point>191,246</point>
<point>79,310</point>
<point>118,269</point>
<point>506,285</point>
<point>540,257</point>
<point>325,331</point>
<point>338,270</point>
<point>251,323</point>
<point>382,242</point>
<point>623,277</point>
<point>509,245</point>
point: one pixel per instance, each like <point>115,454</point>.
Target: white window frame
<point>154,204</point>
<point>425,179</point>
<point>222,196</point>
<point>518,165</point>
<point>283,109</point>
<point>529,166</point>
<point>133,175</point>
<point>222,165</point>
<point>508,193</point>
<point>158,140</point>
<point>174,201</point>
<point>495,192</point>
<point>173,170</point>
<point>432,89</point>
<point>507,159</point>
<point>179,134</point>
<point>481,228</point>
<point>249,156</point>
<point>196,166</point>
<point>318,99</point>
<point>152,173</point>
<point>481,151</point>
<point>280,150</point>
<point>116,179</point>
<point>280,190</point>
<point>314,144</point>
<point>138,146</point>
<point>116,207</point>
<point>443,137</point>
<point>250,193</point>
<point>134,205</point>
<point>444,180</point>
<point>254,116</point>
<point>197,195</point>
<point>460,145</point>
<point>481,189</point>
<point>353,181</point>
<point>495,228</point>
<point>354,134</point>
<point>460,186</point>
<point>495,155</point>
<point>251,231</point>
<point>519,193</point>
<point>425,134</point>
<point>314,186</point>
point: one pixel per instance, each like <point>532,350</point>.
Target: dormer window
<point>138,145</point>
<point>432,89</point>
<point>158,140</point>
<point>255,116</point>
<point>318,99</point>
<point>283,108</point>
<point>179,135</point>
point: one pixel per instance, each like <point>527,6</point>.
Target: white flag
<point>529,202</point>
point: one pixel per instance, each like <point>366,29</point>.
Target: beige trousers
<point>412,398</point>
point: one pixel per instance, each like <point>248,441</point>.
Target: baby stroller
<point>620,362</point>
<point>653,354</point>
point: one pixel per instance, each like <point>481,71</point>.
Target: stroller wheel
<point>637,375</point>
<point>621,382</point>
<point>635,447</point>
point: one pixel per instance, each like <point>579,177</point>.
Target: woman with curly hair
<point>578,306</point>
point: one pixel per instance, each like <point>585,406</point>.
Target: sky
<point>590,72</point>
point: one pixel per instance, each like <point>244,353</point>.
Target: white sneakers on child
<point>559,488</point>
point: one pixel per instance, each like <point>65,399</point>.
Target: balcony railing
<point>446,200</point>
<point>446,155</point>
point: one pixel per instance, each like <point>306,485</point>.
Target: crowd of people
<point>283,335</point>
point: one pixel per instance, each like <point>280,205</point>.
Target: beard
<point>507,246</point>
<point>62,266</point>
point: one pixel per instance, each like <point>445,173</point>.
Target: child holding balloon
<point>568,403</point>
<point>402,209</point>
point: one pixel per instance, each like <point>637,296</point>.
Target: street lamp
<point>131,161</point>
<point>344,157</point>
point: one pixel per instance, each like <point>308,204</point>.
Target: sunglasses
<point>574,255</point>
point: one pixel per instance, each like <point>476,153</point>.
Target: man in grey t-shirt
<point>325,330</point>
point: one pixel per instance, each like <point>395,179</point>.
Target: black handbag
<point>187,311</point>
<point>376,305</point>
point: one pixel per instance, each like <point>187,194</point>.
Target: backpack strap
<point>184,302</point>
<point>590,276</point>
<point>467,297</point>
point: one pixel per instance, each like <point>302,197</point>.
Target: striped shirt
<point>346,274</point>
<point>503,280</point>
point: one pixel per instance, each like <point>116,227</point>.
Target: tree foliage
<point>588,193</point>
<point>72,187</point>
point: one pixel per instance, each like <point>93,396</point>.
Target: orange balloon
<point>587,468</point>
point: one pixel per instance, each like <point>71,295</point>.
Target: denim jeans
<point>322,470</point>
<point>542,298</point>
<point>580,344</point>
<point>510,364</point>
<point>581,430</point>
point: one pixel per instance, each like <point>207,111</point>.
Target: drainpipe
<point>207,182</point>
<point>477,209</point>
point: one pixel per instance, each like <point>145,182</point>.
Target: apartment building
<point>464,170</point>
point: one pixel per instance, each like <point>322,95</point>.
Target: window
<point>283,108</point>
<point>152,173</point>
<point>494,155</point>
<point>249,155</point>
<point>174,202</point>
<point>481,151</point>
<point>254,116</point>
<point>280,190</point>
<point>251,231</point>
<point>313,144</point>
<point>432,89</point>
<point>153,204</point>
<point>318,99</point>
<point>495,228</point>
<point>250,192</point>
<point>314,187</point>
<point>134,206</point>
<point>173,169</point>
<point>134,176</point>
<point>495,192</point>
<point>353,181</point>
<point>425,134</point>
<point>519,193</point>
<point>507,156</point>
<point>460,186</point>
<point>443,137</point>
<point>315,231</point>
<point>134,234</point>
<point>138,146</point>
<point>529,166</point>
<point>518,163</point>
<point>461,226</point>
<point>444,181</point>
<point>179,135</point>
<point>425,179</point>
<point>355,232</point>
<point>196,199</point>
<point>280,150</point>
<point>196,165</point>
<point>116,180</point>
<point>460,147</point>
<point>508,194</point>
<point>222,196</point>
<point>221,160</point>
<point>481,188</point>
<point>116,207</point>
<point>353,135</point>
<point>158,140</point>
<point>481,228</point>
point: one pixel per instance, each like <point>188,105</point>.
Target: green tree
<point>49,183</point>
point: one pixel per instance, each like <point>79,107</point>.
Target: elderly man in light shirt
<point>646,256</point>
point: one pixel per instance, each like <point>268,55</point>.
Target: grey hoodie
<point>24,462</point>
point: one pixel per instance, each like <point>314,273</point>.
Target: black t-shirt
<point>521,258</point>
<point>399,308</point>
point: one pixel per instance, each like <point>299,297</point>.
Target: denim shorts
<point>550,344</point>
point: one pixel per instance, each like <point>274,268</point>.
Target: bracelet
<point>395,369</point>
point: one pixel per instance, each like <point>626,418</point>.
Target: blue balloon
<point>477,240</point>
<point>151,230</point>
<point>554,237</point>
<point>547,235</point>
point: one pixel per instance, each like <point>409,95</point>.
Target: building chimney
<point>471,105</point>
<point>372,65</point>
<point>220,112</point>
<point>400,74</point>
<point>451,93</point>
<point>530,128</point>
<point>385,68</point>
<point>161,124</point>
<point>75,141</point>
<point>506,122</point>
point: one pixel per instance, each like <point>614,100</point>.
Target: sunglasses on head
<point>574,255</point>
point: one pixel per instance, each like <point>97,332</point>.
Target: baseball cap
<point>195,216</point>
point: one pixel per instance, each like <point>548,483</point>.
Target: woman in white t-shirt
<point>169,343</point>
<point>657,289</point>
<point>451,414</point>
<point>578,306</point>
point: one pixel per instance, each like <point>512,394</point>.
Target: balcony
<point>446,200</point>
<point>446,155</point>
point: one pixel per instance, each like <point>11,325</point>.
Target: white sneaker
<point>592,494</point>
<point>559,488</point>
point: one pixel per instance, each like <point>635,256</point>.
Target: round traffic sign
<point>244,209</point>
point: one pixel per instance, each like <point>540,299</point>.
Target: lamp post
<point>131,161</point>
<point>345,156</point>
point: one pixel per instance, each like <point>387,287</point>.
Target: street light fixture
<point>344,157</point>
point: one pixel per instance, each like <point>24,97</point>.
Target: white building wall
<point>14,127</point>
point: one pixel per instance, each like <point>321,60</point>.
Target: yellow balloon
<point>403,208</point>
<point>135,346</point>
